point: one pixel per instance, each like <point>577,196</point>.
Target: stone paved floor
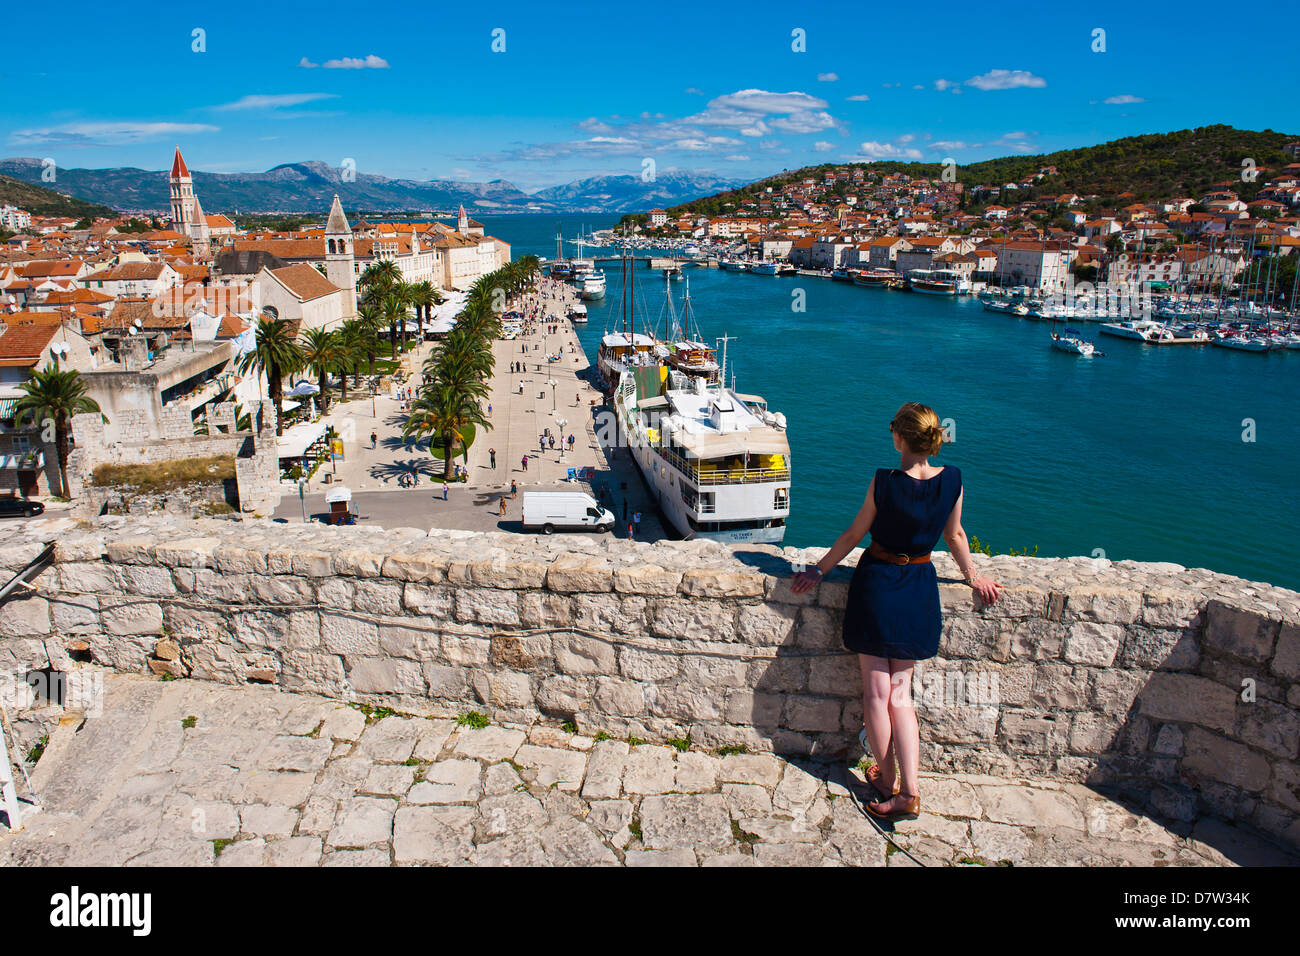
<point>193,773</point>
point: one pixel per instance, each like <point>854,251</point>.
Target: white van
<point>551,511</point>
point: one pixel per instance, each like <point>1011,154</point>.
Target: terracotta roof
<point>26,337</point>
<point>231,326</point>
<point>178,165</point>
<point>284,248</point>
<point>56,267</point>
<point>304,281</point>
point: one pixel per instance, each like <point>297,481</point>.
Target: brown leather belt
<point>876,551</point>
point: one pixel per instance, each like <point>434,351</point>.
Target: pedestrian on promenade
<point>374,440</point>
<point>489,409</point>
<point>444,489</point>
<point>492,455</point>
<point>636,521</point>
<point>892,617</point>
<point>525,462</point>
<point>551,440</point>
<point>514,489</point>
<point>570,439</point>
<point>502,511</point>
<point>631,533</point>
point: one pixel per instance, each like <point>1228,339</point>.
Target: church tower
<point>187,213</point>
<point>339,262</point>
<point>462,220</point>
<point>182,192</point>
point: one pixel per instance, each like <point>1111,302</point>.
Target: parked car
<point>12,507</point>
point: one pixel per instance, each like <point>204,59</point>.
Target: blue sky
<point>415,90</point>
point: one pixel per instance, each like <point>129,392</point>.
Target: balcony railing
<point>23,461</point>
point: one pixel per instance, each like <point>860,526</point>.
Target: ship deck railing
<point>723,476</point>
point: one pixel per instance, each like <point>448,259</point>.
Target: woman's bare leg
<point>902,717</point>
<point>875,714</point>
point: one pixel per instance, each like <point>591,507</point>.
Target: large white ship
<point>716,460</point>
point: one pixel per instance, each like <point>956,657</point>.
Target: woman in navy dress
<point>892,618</point>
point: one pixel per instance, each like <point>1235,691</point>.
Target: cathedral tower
<point>339,261</point>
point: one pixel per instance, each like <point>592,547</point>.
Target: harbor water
<point>1186,454</point>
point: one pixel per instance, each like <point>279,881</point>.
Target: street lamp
<point>561,422</point>
<point>373,389</point>
<point>551,382</point>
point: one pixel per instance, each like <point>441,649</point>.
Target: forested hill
<point>1154,166</point>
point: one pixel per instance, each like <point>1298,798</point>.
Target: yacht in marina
<point>764,268</point>
<point>591,285</point>
<point>878,279</point>
<point>1144,330</point>
<point>931,281</point>
<point>578,314</point>
<point>1071,340</point>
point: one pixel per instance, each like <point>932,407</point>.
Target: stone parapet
<point>1178,686</point>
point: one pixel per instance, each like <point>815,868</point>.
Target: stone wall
<point>1179,687</point>
<point>126,441</point>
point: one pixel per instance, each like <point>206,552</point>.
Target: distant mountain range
<point>308,187</point>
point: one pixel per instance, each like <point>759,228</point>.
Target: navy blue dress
<point>893,610</point>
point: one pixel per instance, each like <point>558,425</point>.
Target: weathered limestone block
<point>524,652</point>
<point>1210,756</point>
<point>647,579</point>
<point>978,636</point>
<point>720,668</point>
<point>579,572</point>
<point>1103,605</point>
<point>121,616</point>
<point>187,552</point>
<point>812,713</point>
<point>436,603</point>
<point>451,683</point>
<point>717,583</point>
<point>147,580</point>
<point>766,624</point>
<point>1286,659</point>
<point>1270,727</point>
<point>485,606</point>
<point>762,710</point>
<point>349,634</point>
<point>608,613</point>
<point>838,675</point>
<point>426,567</point>
<point>637,663</point>
<point>73,614</point>
<point>380,675</point>
<point>503,688</point>
<point>465,649</point>
<point>1034,733</point>
<point>1167,649</point>
<point>1093,643</point>
<point>565,697</point>
<point>969,724</point>
<point>1113,691</point>
<point>131,550</point>
<point>1168,608</point>
<point>1059,687</point>
<point>1036,639</point>
<point>623,698</point>
<point>358,563</point>
<point>578,655</point>
<point>543,609</point>
<point>1240,633</point>
<point>513,571</point>
<point>1189,699</point>
<point>284,590</point>
<point>683,701</point>
<point>214,586</point>
<point>232,559</point>
<point>685,618</point>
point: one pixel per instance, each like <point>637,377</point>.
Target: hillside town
<point>157,321</point>
<point>859,218</point>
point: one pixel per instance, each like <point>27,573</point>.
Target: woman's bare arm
<point>958,545</point>
<point>845,543</point>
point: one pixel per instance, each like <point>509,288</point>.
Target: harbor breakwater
<point>1177,687</point>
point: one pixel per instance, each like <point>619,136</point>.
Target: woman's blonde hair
<point>919,428</point>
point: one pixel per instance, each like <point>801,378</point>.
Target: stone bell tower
<point>340,266</point>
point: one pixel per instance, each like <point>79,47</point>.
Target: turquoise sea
<point>1137,455</point>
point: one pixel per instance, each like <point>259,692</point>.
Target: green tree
<point>54,394</point>
<point>275,355</point>
<point>448,412</point>
<point>320,356</point>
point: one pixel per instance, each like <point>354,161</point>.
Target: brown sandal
<point>910,810</point>
<point>873,781</point>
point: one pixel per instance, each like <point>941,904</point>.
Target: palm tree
<point>424,297</point>
<point>370,318</point>
<point>351,344</point>
<point>55,394</point>
<point>394,309</point>
<point>275,355</point>
<point>447,411</point>
<point>320,356</point>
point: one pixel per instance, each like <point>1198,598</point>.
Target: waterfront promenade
<point>398,483</point>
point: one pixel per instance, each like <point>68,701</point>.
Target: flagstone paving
<point>193,773</point>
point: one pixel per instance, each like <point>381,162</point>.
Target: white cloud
<point>271,101</point>
<point>761,101</point>
<point>905,138</point>
<point>115,133</point>
<point>307,64</point>
<point>693,91</point>
<point>874,150</point>
<point>370,62</point>
<point>822,146</point>
<point>949,145</point>
<point>1123,100</point>
<point>737,158</point>
<point>828,77</point>
<point>858,98</point>
<point>1006,80</point>
<point>805,121</point>
<point>942,85</point>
